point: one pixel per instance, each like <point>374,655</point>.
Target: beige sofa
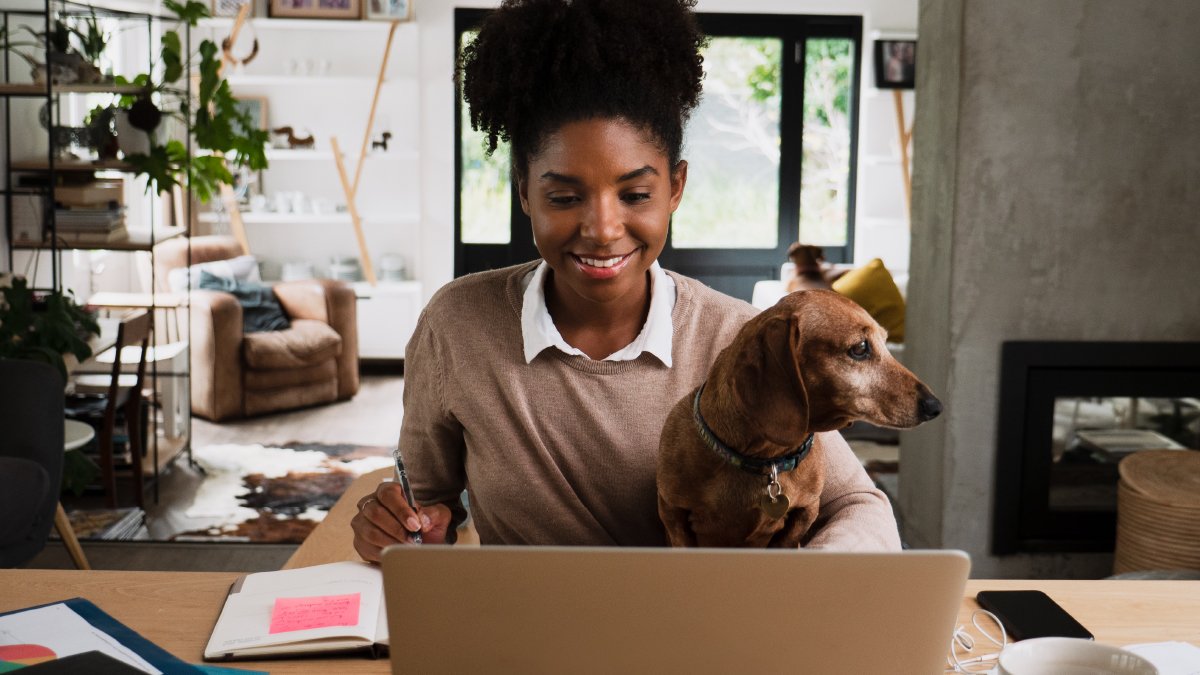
<point>233,375</point>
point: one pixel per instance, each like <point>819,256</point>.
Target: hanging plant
<point>219,127</point>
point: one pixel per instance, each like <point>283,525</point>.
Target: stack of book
<point>122,524</point>
<point>90,213</point>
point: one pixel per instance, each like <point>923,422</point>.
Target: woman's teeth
<point>595,262</point>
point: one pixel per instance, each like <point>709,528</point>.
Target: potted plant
<point>220,129</point>
<point>67,63</point>
<point>49,327</point>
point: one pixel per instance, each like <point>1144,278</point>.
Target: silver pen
<point>402,478</point>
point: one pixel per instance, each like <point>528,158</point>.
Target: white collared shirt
<point>539,332</point>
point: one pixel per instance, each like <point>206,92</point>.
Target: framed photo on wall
<point>389,10</point>
<point>230,7</point>
<point>257,107</point>
<point>896,64</point>
<point>316,9</point>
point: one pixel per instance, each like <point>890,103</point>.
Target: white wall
<point>882,225</point>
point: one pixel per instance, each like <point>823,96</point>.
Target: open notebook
<point>642,610</point>
<point>324,608</point>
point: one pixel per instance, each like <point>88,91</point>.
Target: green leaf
<point>190,13</point>
<point>78,472</point>
<point>172,57</point>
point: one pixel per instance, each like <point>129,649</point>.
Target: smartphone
<point>1031,614</point>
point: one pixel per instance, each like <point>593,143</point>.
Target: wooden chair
<point>122,392</point>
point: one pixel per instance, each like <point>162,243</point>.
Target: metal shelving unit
<point>43,173</point>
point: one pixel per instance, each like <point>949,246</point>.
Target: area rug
<point>254,493</point>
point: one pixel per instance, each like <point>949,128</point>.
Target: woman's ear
<point>678,180</point>
<point>522,191</point>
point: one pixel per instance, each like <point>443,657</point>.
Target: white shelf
<point>251,218</point>
<point>261,23</point>
<point>307,80</point>
<point>327,155</point>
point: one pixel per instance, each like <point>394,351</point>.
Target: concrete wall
<point>1056,196</point>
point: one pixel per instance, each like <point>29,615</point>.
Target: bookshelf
<point>52,221</point>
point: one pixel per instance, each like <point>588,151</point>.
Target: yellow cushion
<point>872,287</point>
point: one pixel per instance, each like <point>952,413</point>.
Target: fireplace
<point>1069,412</point>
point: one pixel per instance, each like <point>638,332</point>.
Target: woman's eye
<point>637,197</point>
<point>860,351</point>
<point>563,200</point>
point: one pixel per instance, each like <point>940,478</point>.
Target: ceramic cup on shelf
<point>296,270</point>
<point>391,267</point>
<point>300,203</point>
<point>1070,656</point>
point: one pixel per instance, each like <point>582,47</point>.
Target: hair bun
<point>538,64</point>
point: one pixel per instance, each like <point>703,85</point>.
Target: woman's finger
<point>391,497</point>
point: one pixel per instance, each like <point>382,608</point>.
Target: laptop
<point>661,610</point>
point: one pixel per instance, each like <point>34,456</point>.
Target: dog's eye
<point>860,351</point>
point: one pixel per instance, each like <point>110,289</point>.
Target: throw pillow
<point>261,310</point>
<point>872,287</point>
<point>241,268</point>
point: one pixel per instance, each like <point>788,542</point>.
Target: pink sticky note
<point>319,611</point>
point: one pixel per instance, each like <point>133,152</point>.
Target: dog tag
<point>777,508</point>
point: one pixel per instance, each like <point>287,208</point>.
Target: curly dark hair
<point>539,64</point>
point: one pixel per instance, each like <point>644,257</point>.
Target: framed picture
<point>316,9</point>
<point>257,107</point>
<point>230,7</point>
<point>896,64</point>
<point>389,10</point>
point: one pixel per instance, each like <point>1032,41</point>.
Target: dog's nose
<point>928,406</point>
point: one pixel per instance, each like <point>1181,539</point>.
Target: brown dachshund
<point>737,462</point>
<point>810,273</point>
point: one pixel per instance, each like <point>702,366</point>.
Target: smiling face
<point>600,194</point>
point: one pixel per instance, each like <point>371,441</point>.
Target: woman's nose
<point>602,222</point>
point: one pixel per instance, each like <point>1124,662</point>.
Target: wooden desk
<point>1117,612</point>
<point>177,610</point>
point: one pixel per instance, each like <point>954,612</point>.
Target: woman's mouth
<point>601,268</point>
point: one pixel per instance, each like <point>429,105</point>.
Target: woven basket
<point>1158,511</point>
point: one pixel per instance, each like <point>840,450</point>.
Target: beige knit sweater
<point>562,450</point>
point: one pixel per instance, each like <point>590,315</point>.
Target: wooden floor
<point>372,417</point>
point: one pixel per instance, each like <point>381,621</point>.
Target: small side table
<point>76,434</point>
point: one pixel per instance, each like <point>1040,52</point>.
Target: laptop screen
<point>617,610</point>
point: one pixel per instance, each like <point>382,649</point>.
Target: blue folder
<point>154,655</point>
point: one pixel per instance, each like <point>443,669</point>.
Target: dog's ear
<point>767,385</point>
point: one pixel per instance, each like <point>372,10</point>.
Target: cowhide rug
<point>272,494</point>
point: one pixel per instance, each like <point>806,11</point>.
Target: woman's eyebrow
<point>574,180</point>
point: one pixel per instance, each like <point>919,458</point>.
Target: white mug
<point>1070,656</point>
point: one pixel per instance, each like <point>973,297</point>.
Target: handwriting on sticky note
<point>319,611</point>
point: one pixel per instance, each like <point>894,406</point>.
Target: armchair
<point>235,375</point>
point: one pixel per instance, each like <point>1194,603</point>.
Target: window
<point>770,153</point>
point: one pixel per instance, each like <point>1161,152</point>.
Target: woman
<point>542,388</point>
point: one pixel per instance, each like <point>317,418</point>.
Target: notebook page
<point>248,616</point>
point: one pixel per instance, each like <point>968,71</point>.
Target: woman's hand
<point>384,518</point>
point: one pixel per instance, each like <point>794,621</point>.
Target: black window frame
<point>732,271</point>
